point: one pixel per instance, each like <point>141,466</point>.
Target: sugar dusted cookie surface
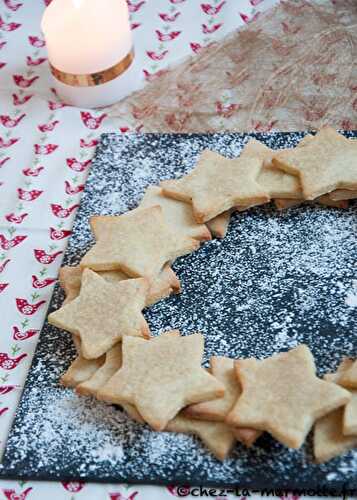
<point>178,214</point>
<point>70,278</point>
<point>329,440</point>
<point>218,226</point>
<point>138,243</point>
<point>111,363</point>
<point>350,410</point>
<point>80,370</point>
<point>283,396</point>
<point>217,436</point>
<point>217,409</point>
<point>104,313</point>
<point>160,287</point>
<point>217,184</point>
<point>278,184</point>
<point>161,376</point>
<point>325,163</point>
<point>349,376</point>
<point>350,416</point>
<point>336,432</point>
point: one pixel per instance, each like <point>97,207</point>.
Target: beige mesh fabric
<point>294,68</point>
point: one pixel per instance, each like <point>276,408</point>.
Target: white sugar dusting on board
<point>276,280</point>
<point>351,297</point>
<point>69,417</point>
<point>293,284</point>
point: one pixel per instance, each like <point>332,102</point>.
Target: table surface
<point>45,154</point>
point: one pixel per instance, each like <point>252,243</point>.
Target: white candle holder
<point>98,89</point>
<point>90,50</point>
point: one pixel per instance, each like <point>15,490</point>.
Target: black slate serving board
<point>276,280</point>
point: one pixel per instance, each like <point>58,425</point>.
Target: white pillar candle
<point>90,50</point>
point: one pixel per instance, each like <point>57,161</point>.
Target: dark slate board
<point>277,279</point>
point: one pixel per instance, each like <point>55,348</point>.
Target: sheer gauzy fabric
<point>294,68</point>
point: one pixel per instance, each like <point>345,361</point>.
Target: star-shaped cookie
<point>335,433</point>
<point>218,226</point>
<point>350,416</point>
<point>80,370</point>
<point>276,183</point>
<point>349,376</point>
<point>325,163</point>
<point>138,243</point>
<point>325,200</point>
<point>283,396</point>
<point>70,278</point>
<point>217,409</point>
<point>342,377</point>
<point>112,363</point>
<point>160,287</point>
<point>104,313</point>
<point>217,184</point>
<point>330,199</point>
<point>178,215</point>
<point>161,376</point>
<point>343,194</point>
<point>217,436</point>
<point>329,440</point>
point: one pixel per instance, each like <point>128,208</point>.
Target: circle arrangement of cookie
<point>160,380</point>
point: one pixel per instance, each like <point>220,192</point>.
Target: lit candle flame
<point>77,3</point>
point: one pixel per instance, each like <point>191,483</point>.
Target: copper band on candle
<point>97,78</point>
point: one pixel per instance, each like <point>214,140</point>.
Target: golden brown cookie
<point>217,436</point>
<point>276,183</point>
<point>343,194</point>
<point>330,198</point>
<point>217,409</point>
<point>166,282</point>
<point>324,200</point>
<point>80,370</point>
<point>350,413</point>
<point>279,184</point>
<point>284,203</point>
<point>138,243</point>
<point>70,278</point>
<point>77,342</point>
<point>112,363</point>
<point>330,439</point>
<point>217,184</point>
<point>327,201</point>
<point>178,214</point>
<point>218,226</point>
<point>104,313</point>
<point>326,163</point>
<point>349,377</point>
<point>283,396</point>
<point>161,376</point>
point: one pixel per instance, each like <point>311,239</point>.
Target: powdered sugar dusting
<point>351,297</point>
<point>276,280</point>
